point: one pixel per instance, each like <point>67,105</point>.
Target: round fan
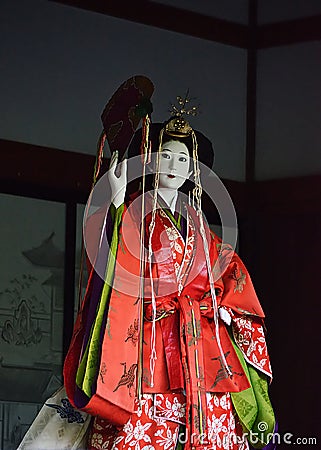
<point>124,111</point>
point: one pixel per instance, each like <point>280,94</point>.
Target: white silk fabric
<point>49,431</point>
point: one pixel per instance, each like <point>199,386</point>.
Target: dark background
<point>262,111</point>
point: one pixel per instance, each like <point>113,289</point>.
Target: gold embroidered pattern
<point>127,378</point>
<point>132,333</point>
<point>102,372</point>
<point>240,281</point>
<point>222,373</point>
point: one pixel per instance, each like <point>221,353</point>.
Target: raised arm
<point>117,177</point>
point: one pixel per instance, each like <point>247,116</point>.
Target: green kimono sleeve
<point>253,406</point>
<point>88,367</point>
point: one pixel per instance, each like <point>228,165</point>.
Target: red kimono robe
<point>178,365</point>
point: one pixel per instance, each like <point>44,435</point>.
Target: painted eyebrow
<point>168,150</point>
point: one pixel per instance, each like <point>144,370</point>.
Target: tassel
<point>197,193</point>
<point>145,155</point>
<point>99,156</point>
<point>145,149</point>
<point>153,355</point>
<point>97,166</point>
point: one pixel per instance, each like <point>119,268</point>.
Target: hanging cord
<point>99,156</point>
<point>145,152</point>
<point>97,166</point>
<point>197,194</point>
<point>153,354</point>
<point>146,156</point>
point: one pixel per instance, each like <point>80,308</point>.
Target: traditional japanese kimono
<point>187,395</point>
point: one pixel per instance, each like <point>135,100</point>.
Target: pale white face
<point>174,165</point>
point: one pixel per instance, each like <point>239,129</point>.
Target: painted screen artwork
<point>32,243</point>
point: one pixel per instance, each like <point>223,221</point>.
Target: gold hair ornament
<point>178,126</point>
<point>180,109</point>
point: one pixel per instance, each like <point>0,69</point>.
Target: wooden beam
<point>205,27</point>
<point>289,32</point>
<point>59,175</point>
<point>246,221</point>
<point>168,18</point>
<point>251,94</point>
<point>45,172</point>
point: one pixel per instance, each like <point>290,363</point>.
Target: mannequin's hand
<point>225,316</point>
<point>118,182</point>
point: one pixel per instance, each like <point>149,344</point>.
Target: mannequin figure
<point>178,359</point>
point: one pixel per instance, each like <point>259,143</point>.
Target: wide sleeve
<point>239,293</point>
<point>240,300</point>
<point>104,266</point>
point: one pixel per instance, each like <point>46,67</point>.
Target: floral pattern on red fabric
<point>248,333</point>
<point>145,431</point>
<point>182,252</point>
<point>170,407</point>
<point>224,431</point>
